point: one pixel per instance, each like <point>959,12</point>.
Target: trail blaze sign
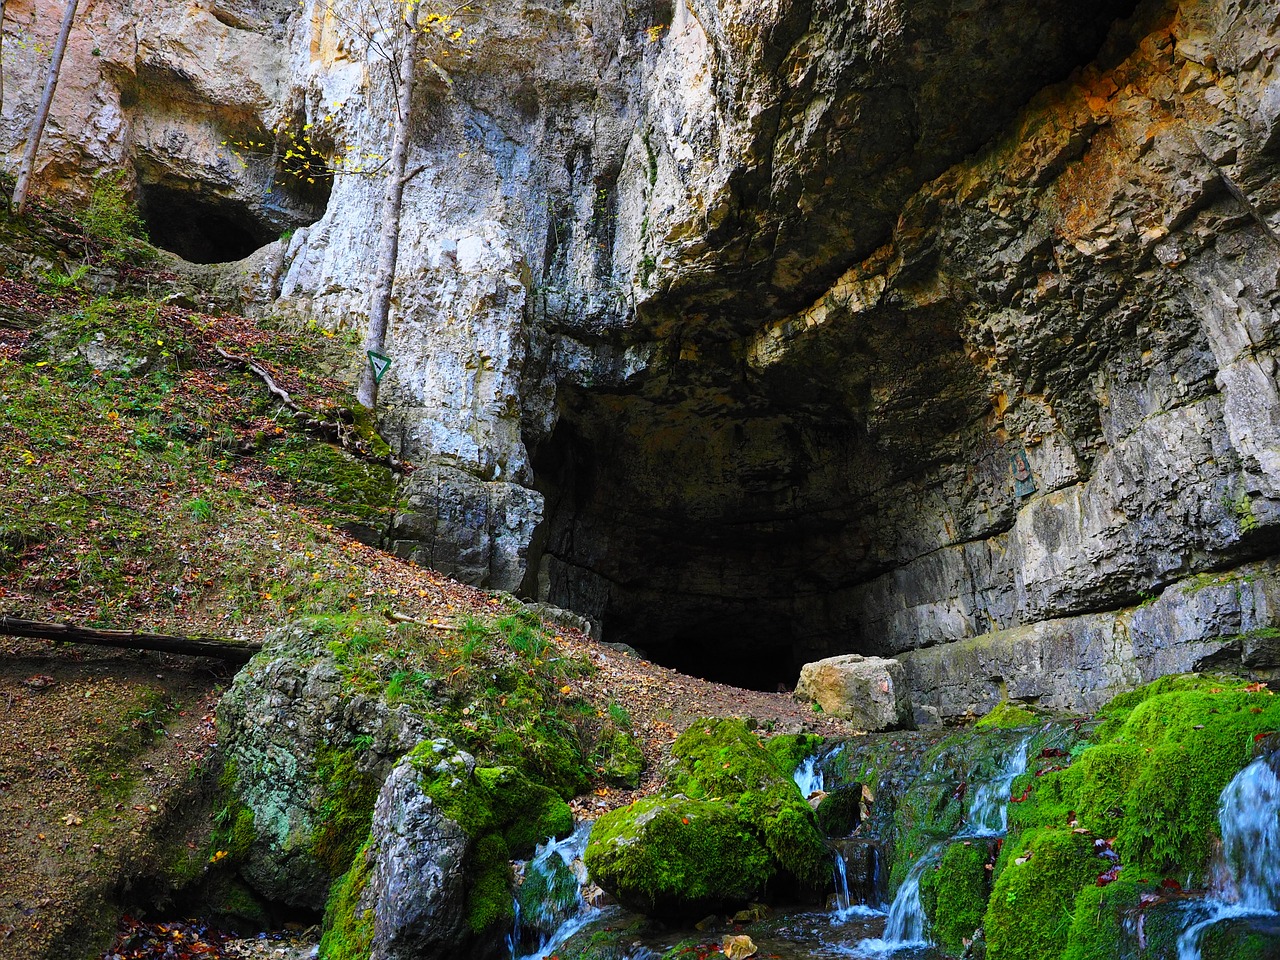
<point>380,363</point>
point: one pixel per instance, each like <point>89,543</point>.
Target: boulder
<point>677,857</point>
<point>870,691</point>
<point>418,887</point>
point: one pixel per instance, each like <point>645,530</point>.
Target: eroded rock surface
<point>765,333</point>
<point>869,691</point>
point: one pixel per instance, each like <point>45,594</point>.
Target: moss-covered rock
<point>789,750</point>
<point>725,760</point>
<point>348,915</point>
<point>618,758</point>
<point>1029,916</point>
<point>1156,767</point>
<point>839,812</point>
<point>497,801</point>
<point>1008,715</point>
<point>677,857</point>
<point>954,893</point>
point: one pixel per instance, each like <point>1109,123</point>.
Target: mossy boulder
<point>954,893</point>
<point>840,810</point>
<point>1008,715</point>
<point>434,878</point>
<point>1155,769</point>
<point>1145,789</point>
<point>724,759</point>
<point>1030,910</point>
<point>618,758</point>
<point>677,857</point>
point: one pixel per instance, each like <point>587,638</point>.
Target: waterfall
<point>809,777</point>
<point>550,906</point>
<point>1249,881</point>
<point>987,815</point>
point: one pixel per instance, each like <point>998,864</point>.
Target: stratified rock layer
<point>765,333</point>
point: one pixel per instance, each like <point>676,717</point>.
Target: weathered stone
<point>418,886</point>
<point>1212,621</point>
<point>282,714</point>
<point>870,691</point>
<point>474,530</point>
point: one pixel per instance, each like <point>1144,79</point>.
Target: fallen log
<point>228,649</point>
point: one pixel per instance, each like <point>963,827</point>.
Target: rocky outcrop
<point>762,334</point>
<point>870,691</point>
<point>416,889</point>
<point>303,749</point>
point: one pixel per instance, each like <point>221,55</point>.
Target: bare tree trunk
<point>393,197</point>
<point>230,650</point>
<point>1,56</point>
<point>42,112</point>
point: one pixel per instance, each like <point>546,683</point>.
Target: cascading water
<point>987,815</point>
<point>809,776</point>
<point>550,906</point>
<point>1249,883</point>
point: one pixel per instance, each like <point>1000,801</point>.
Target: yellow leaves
<point>28,458</point>
<point>73,820</point>
<point>218,856</point>
<point>566,690</point>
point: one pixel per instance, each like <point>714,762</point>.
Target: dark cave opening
<point>201,228</point>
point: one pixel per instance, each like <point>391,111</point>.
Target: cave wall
<point>724,323</point>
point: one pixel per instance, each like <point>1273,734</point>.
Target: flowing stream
<point>550,906</point>
<point>1248,881</point>
<point>987,815</point>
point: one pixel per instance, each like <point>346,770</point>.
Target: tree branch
<point>221,648</point>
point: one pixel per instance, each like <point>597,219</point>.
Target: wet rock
<point>870,691</point>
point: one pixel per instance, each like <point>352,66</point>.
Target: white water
<point>556,918</point>
<point>809,777</point>
<point>987,815</point>
<point>1249,884</point>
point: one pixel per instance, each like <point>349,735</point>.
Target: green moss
<point>1029,916</point>
<point>327,476</point>
<point>1105,919</point>
<point>489,903</point>
<point>229,900</point>
<point>496,800</point>
<point>1236,941</point>
<point>677,856</point>
<point>789,750</point>
<point>724,759</point>
<point>347,931</point>
<point>1007,715</point>
<point>1157,766</point>
<point>954,893</point>
<point>839,811</point>
<point>234,831</point>
<point>618,758</point>
<point>346,810</point>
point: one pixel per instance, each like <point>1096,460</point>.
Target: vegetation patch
<point>954,893</point>
<point>677,857</point>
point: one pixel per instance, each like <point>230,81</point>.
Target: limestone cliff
<point>768,331</point>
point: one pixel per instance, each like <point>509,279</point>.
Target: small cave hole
<point>202,229</point>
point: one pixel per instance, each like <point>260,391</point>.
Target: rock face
<point>416,889</point>
<point>870,691</point>
<point>288,723</point>
<point>762,333</point>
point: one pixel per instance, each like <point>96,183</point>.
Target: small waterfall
<point>550,906</point>
<point>987,815</point>
<point>809,777</point>
<point>1249,884</point>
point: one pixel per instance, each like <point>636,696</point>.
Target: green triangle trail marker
<point>380,363</point>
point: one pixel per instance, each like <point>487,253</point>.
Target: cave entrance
<point>201,228</point>
<point>721,546</point>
